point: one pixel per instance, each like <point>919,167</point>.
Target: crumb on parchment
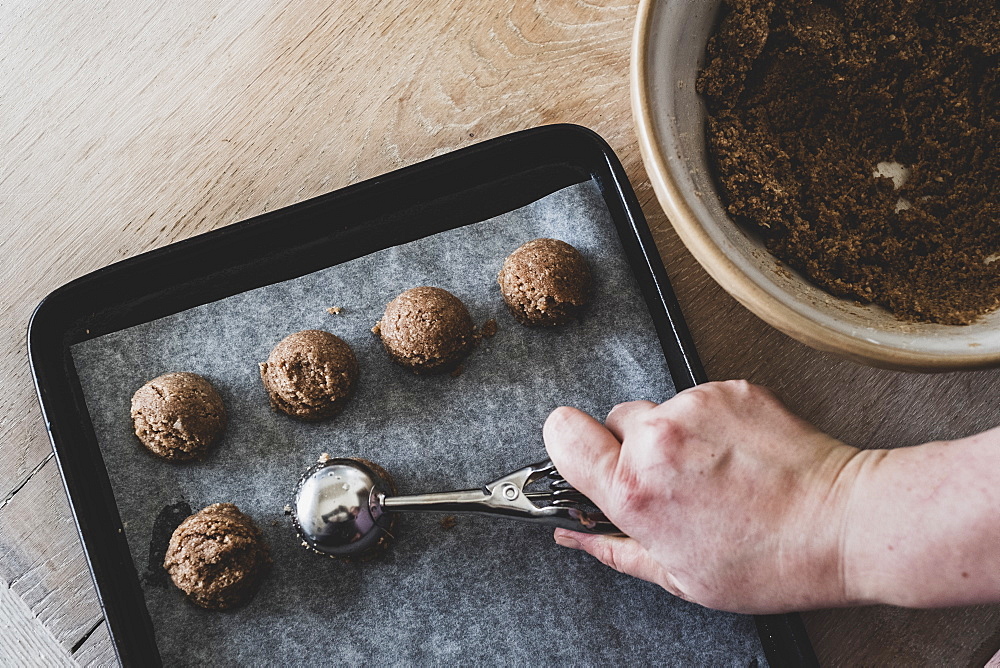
<point>489,328</point>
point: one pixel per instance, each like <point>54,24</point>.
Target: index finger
<point>585,453</point>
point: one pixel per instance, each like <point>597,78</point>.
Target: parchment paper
<point>484,591</point>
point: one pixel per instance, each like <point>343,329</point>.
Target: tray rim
<point>52,330</point>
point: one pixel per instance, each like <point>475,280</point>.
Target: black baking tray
<point>456,189</point>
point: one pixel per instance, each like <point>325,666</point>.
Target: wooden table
<point>127,126</point>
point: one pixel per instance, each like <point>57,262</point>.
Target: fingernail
<point>567,541</point>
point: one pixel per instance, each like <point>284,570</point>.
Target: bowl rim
<point>727,273</point>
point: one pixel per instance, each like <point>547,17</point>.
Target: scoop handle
<point>505,500</point>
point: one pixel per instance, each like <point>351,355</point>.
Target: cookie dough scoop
<point>344,507</point>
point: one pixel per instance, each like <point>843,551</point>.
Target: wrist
<point>822,574</point>
<point>858,522</point>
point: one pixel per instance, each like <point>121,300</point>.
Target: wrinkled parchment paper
<point>483,591</point>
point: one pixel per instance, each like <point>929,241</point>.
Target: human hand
<point>728,499</point>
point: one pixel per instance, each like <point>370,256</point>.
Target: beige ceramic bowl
<point>667,50</point>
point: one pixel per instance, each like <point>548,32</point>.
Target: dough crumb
<point>448,522</point>
<point>489,329</point>
<point>334,310</point>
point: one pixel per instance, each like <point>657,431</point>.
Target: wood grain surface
<point>130,125</point>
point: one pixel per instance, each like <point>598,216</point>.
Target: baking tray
<point>447,192</point>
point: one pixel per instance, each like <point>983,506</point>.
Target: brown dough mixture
<point>310,375</point>
<point>426,330</point>
<point>545,282</point>
<point>805,98</point>
<point>217,557</point>
<point>178,416</point>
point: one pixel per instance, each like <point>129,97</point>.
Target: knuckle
<point>617,409</point>
<point>766,395</point>
<point>604,553</point>
<point>629,408</point>
<point>610,557</point>
<point>696,399</point>
<point>739,386</point>
<point>666,430</point>
<point>633,405</point>
<point>633,497</point>
<point>747,391</point>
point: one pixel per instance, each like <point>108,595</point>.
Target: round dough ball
<point>545,282</point>
<point>178,416</point>
<point>217,557</point>
<point>310,375</point>
<point>426,330</point>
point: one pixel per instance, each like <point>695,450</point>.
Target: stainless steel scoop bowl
<point>343,506</point>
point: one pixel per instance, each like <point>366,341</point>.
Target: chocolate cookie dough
<point>178,416</point>
<point>809,104</point>
<point>310,375</point>
<point>217,557</point>
<point>426,330</point>
<point>545,282</point>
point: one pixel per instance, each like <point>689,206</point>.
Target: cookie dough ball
<point>217,557</point>
<point>310,375</point>
<point>178,416</point>
<point>545,282</point>
<point>426,330</point>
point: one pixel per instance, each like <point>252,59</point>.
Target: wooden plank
<point>24,641</point>
<point>42,559</point>
<point>97,650</point>
<point>22,433</point>
<point>137,125</point>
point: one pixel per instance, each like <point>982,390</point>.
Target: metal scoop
<point>343,506</point>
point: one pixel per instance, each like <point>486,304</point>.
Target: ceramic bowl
<point>668,49</point>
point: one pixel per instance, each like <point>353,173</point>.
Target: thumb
<point>584,452</point>
<point>625,555</point>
